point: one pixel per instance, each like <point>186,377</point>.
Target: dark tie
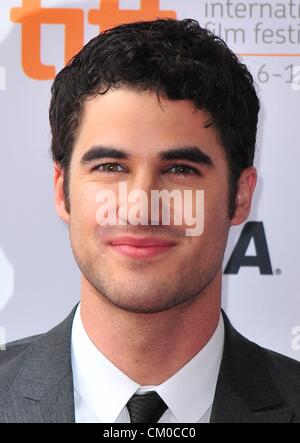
<point>146,408</point>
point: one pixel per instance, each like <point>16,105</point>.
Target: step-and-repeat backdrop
<point>39,280</point>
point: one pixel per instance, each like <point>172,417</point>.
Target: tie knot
<point>146,408</point>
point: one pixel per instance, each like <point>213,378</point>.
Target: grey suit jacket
<point>254,384</point>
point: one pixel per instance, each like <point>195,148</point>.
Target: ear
<point>245,190</point>
<point>59,193</point>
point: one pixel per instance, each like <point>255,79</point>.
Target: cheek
<point>216,206</point>
<point>84,206</point>
<point>210,245</point>
<point>216,221</point>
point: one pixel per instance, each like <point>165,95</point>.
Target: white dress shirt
<point>101,390</point>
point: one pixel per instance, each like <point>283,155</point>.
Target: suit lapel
<point>245,391</point>
<point>42,391</point>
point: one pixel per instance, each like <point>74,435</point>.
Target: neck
<point>150,348</point>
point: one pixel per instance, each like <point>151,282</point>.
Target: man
<point>161,105</point>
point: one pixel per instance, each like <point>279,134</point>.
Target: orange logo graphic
<point>32,15</point>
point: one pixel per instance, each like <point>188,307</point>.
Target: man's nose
<point>139,188</point>
<point>145,179</point>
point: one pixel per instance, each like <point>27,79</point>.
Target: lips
<point>141,248</point>
<point>141,242</point>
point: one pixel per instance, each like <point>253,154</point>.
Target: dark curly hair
<point>177,59</point>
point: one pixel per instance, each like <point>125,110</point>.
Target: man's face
<point>137,123</point>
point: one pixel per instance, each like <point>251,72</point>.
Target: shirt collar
<point>105,389</point>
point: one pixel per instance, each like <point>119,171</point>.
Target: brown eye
<point>184,170</point>
<point>108,167</point>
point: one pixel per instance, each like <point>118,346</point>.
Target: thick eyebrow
<point>189,153</point>
<point>97,152</point>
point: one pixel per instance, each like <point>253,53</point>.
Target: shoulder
<point>280,366</point>
<point>261,377</point>
<point>21,343</point>
<point>284,377</point>
<point>11,359</point>
<point>276,372</point>
<point>15,349</point>
<point>244,352</point>
<point>285,372</point>
<point>36,353</point>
